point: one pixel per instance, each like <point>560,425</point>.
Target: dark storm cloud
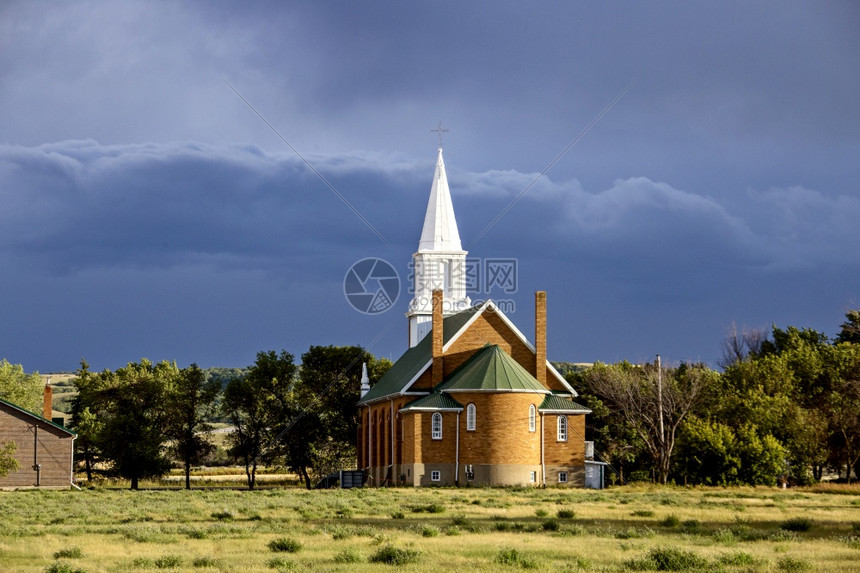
<point>144,203</point>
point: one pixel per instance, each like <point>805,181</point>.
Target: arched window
<point>436,426</point>
<point>562,428</point>
<point>470,417</point>
<point>532,418</point>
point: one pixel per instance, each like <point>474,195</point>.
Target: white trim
<point>558,428</point>
<point>428,409</point>
<point>495,390</point>
<point>489,303</point>
<point>572,412</point>
<point>433,433</point>
<point>471,411</point>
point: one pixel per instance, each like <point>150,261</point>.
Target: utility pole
<point>660,399</point>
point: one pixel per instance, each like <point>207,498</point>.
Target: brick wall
<point>501,433</point>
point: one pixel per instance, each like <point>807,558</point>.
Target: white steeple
<point>440,262</point>
<point>440,227</point>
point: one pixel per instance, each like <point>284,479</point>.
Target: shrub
<point>792,564</point>
<point>634,533</point>
<point>204,562</point>
<point>281,564</point>
<point>459,520</point>
<point>566,514</point>
<point>348,556</point>
<point>796,524</point>
<point>670,559</point>
<point>643,513</point>
<point>516,558</point>
<point>541,512</point>
<point>397,515</point>
<point>168,561</point>
<point>430,531</point>
<point>70,553</point>
<point>550,525</point>
<point>225,515</point>
<point>391,555</point>
<point>62,567</point>
<point>285,545</point>
<point>670,521</point>
<point>435,508</point>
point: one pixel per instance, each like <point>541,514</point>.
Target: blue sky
<point>146,211</point>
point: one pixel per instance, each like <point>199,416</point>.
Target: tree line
<point>133,421</point>
<point>785,408</point>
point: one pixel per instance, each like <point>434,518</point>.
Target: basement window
<point>562,477</point>
<point>436,475</point>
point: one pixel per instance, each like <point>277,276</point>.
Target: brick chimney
<point>48,404</point>
<point>438,339</point>
<point>540,336</point>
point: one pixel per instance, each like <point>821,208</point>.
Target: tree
<point>653,400</point>
<point>19,388</point>
<point>8,463</point>
<point>738,345</point>
<point>320,435</point>
<point>615,440</point>
<point>257,406</point>
<point>190,402</point>
<point>124,413</point>
<point>850,330</point>
<point>84,421</point>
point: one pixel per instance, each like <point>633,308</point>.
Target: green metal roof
<point>415,360</point>
<point>491,369</point>
<point>29,413</point>
<point>435,401</point>
<point>555,403</point>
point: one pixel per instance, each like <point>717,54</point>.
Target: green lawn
<point>632,528</point>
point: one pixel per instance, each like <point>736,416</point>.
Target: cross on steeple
<point>439,131</point>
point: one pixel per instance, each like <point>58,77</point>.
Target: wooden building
<point>44,451</point>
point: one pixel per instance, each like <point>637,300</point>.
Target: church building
<point>472,401</point>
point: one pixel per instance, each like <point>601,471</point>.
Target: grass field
<point>634,528</point>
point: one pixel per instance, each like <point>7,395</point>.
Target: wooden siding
<point>38,442</point>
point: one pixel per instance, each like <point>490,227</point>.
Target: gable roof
<point>37,417</point>
<point>415,361</point>
<point>491,369</point>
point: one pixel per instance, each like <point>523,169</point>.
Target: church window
<point>532,418</point>
<point>436,426</point>
<point>562,429</point>
<point>436,475</point>
<point>470,417</point>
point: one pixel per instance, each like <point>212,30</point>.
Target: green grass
<point>480,529</point>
